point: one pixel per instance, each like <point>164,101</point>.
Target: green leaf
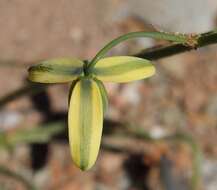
<point>123,69</point>
<point>85,121</point>
<point>56,70</point>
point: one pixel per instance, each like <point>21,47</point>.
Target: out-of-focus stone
<point>9,120</point>
<point>173,15</point>
<point>42,178</point>
<point>209,171</point>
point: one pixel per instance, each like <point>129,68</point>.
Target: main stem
<point>179,38</point>
<point>155,53</point>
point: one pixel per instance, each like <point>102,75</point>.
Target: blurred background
<point>158,134</point>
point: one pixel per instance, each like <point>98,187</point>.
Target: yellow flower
<point>88,97</point>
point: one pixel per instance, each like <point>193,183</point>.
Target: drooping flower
<point>88,97</point>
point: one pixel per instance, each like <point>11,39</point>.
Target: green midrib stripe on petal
<point>66,70</point>
<point>86,121</point>
<point>120,68</point>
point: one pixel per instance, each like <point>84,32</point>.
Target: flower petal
<point>123,69</point>
<point>103,94</point>
<point>56,70</point>
<point>71,90</point>
<point>85,121</point>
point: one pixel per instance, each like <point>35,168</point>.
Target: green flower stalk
<point>88,97</point>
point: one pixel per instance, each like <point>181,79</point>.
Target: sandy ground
<point>182,96</point>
